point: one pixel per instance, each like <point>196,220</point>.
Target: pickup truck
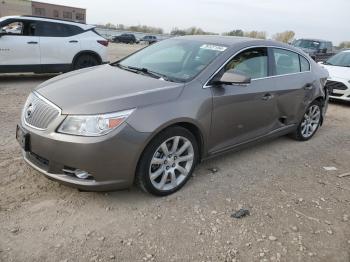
<point>319,50</point>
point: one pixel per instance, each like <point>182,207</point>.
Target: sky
<point>308,18</point>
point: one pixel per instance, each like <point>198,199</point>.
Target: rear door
<point>59,42</point>
<point>244,112</point>
<point>18,44</point>
<point>294,84</point>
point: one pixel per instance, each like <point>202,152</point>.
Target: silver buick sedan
<point>151,117</point>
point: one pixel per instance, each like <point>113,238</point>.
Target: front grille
<point>332,85</point>
<point>39,113</point>
<point>337,95</point>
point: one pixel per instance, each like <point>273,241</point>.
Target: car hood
<point>338,71</point>
<point>105,89</point>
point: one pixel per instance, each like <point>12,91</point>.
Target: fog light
<point>77,173</point>
<point>81,174</point>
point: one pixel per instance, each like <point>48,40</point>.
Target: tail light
<point>103,42</point>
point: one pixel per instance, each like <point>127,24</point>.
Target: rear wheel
<point>168,162</point>
<point>310,122</point>
<point>85,60</point>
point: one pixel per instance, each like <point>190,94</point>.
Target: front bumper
<point>111,160</point>
<point>341,94</point>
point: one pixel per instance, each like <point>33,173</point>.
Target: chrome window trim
<point>46,101</point>
<point>255,79</point>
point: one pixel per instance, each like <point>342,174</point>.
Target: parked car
<point>338,82</point>
<point>126,38</point>
<point>43,45</point>
<point>319,50</point>
<point>151,117</point>
<point>149,39</point>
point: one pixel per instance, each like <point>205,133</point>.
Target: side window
<point>252,62</point>
<point>286,62</point>
<point>73,30</point>
<point>57,30</point>
<point>12,28</point>
<point>304,64</point>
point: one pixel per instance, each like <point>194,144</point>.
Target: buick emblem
<point>29,111</point>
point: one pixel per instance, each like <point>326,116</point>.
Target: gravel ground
<point>298,210</point>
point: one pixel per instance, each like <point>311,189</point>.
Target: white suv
<point>43,45</point>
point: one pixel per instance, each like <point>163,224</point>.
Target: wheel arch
<point>189,125</point>
<point>322,101</point>
<point>87,52</point>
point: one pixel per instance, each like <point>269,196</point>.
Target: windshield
<point>308,44</point>
<point>341,59</point>
<point>178,60</point>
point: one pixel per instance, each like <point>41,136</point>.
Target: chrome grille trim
<point>44,112</point>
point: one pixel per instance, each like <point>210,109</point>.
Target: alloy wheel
<point>171,163</point>
<point>311,121</point>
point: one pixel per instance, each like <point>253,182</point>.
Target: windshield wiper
<point>146,71</point>
<point>150,73</point>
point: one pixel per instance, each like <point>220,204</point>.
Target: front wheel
<point>168,162</point>
<point>310,123</point>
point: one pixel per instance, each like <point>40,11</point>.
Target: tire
<point>85,60</point>
<point>311,121</point>
<point>169,173</point>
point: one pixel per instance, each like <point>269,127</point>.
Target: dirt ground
<point>298,210</point>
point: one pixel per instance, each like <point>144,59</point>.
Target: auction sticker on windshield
<point>214,47</point>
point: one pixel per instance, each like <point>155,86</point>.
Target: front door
<point>244,112</point>
<point>18,44</point>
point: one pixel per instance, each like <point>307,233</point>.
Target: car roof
<point>39,18</point>
<point>235,41</point>
<point>217,39</point>
<point>231,41</point>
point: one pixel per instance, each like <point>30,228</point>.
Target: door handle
<point>308,86</point>
<point>73,41</point>
<point>32,43</point>
<point>267,96</point>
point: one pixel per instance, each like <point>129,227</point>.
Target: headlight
<point>93,125</point>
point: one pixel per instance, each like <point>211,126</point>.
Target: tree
<point>255,34</point>
<point>345,44</point>
<point>285,37</point>
<point>177,31</point>
<point>237,32</point>
<point>120,27</point>
<point>110,25</point>
<point>190,31</point>
<point>145,29</point>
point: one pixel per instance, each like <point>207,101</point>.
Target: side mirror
<point>2,32</point>
<point>231,77</point>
